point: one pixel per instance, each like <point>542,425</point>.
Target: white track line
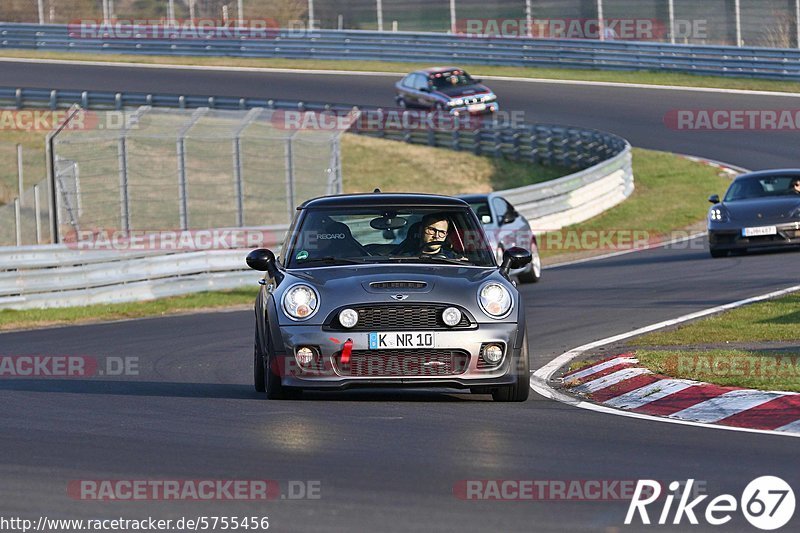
<point>725,405</point>
<point>793,427</point>
<point>594,369</point>
<point>539,381</point>
<point>611,379</point>
<point>649,393</point>
<point>335,72</point>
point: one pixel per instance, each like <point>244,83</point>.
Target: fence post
<point>672,21</point>
<point>183,186</point>
<point>379,8</point>
<point>737,6</point>
<point>289,166</point>
<point>36,214</point>
<point>20,172</point>
<point>124,200</point>
<point>17,222</point>
<point>237,162</point>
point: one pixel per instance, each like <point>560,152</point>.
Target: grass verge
<point>37,318</point>
<point>638,77</point>
<point>761,349</point>
<point>645,214</point>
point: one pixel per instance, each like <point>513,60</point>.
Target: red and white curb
<point>620,383</point>
<point>618,386</point>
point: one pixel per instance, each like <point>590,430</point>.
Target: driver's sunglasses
<point>433,232</point>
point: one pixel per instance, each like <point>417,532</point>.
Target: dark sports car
<point>397,290</point>
<point>760,210</point>
<point>448,89</point>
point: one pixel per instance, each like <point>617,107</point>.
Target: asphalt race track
<point>389,461</point>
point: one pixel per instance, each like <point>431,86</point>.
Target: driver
<point>434,230</point>
<point>795,186</point>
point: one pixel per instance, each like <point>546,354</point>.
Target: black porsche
<point>759,210</point>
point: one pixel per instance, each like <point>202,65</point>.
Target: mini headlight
<point>451,316</point>
<point>495,300</point>
<point>348,318</point>
<point>300,302</point>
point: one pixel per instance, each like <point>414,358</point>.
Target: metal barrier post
<point>51,173</point>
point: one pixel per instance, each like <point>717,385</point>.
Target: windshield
<point>749,188</point>
<point>350,235</point>
<point>452,78</point>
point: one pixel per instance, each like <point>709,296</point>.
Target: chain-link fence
<point>770,23</point>
<point>176,170</point>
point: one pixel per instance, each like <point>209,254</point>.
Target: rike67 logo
<point>767,503</point>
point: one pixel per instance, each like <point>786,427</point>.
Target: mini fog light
<point>493,353</point>
<point>304,355</point>
<point>348,318</point>
<point>451,316</point>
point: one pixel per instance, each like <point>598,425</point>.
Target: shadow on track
<point>227,391</point>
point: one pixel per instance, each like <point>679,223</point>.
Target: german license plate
<point>762,230</point>
<point>384,340</point>
<point>477,107</point>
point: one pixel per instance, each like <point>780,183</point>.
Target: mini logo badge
<point>399,297</point>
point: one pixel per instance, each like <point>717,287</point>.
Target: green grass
<point>33,318</point>
<point>648,212</point>
<point>642,77</point>
<point>399,167</point>
<point>778,371</point>
<point>702,355</point>
<point>773,320</point>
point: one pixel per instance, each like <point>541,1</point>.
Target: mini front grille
<point>399,318</point>
<point>403,363</point>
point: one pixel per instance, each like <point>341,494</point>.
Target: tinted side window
<point>422,82</point>
<point>500,208</point>
<point>408,81</point>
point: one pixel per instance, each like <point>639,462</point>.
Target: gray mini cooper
<point>399,290</point>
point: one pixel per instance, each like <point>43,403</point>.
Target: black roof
<point>478,197</point>
<point>771,173</point>
<point>375,199</point>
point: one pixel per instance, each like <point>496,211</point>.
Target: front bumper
<point>391,368</point>
<point>731,238</point>
<point>475,109</point>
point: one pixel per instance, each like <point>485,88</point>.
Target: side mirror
<point>509,217</point>
<point>263,260</point>
<point>514,258</point>
<point>714,198</point>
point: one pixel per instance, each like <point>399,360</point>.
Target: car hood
<point>777,209</point>
<point>342,286</point>
<point>460,92</point>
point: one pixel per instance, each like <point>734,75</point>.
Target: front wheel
<point>715,253</point>
<point>519,391</point>
<point>258,371</point>
<point>534,272</point>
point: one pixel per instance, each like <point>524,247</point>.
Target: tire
<point>272,380</point>
<point>715,253</point>
<point>534,273</point>
<point>519,391</point>
<point>258,371</point>
<point>401,103</point>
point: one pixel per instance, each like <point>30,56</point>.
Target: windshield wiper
<point>331,260</point>
<point>425,257</point>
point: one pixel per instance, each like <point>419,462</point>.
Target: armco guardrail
<point>60,276</point>
<point>768,63</point>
